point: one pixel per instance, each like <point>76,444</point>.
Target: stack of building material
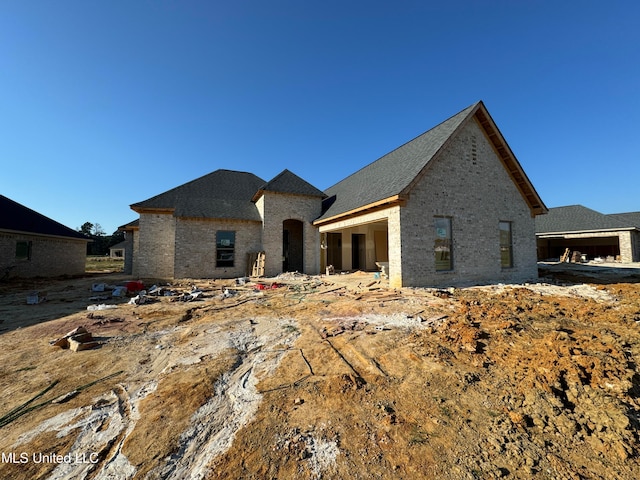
<point>76,340</point>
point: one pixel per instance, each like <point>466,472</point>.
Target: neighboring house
<point>117,250</point>
<point>130,244</point>
<point>451,206</point>
<point>32,245</point>
<point>592,233</point>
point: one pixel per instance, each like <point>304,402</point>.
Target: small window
<point>225,248</point>
<point>506,247</point>
<point>442,246</point>
<point>23,250</point>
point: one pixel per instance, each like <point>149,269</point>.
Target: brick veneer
<point>468,183</point>
<point>195,252</point>
<point>274,209</point>
<point>50,256</point>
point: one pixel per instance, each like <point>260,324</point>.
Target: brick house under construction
<point>33,245</point>
<point>451,206</point>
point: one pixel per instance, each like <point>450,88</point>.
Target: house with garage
<point>451,206</point>
<point>33,245</point>
<point>593,234</point>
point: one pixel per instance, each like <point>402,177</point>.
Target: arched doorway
<point>292,246</point>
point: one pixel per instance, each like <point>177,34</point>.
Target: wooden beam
<point>380,204</point>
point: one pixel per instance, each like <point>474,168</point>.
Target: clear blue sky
<point>107,103</point>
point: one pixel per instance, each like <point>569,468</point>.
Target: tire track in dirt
<point>235,402</point>
<point>103,427</point>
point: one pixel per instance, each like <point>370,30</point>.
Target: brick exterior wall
<point>195,252</point>
<point>129,251</point>
<point>166,247</point>
<point>50,256</point>
<point>274,209</point>
<point>635,242</point>
<point>156,252</point>
<point>469,184</point>
<point>626,246</point>
<point>136,252</point>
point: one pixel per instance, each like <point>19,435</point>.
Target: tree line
<point>101,241</point>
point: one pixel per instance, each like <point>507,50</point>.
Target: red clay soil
<point>334,377</point>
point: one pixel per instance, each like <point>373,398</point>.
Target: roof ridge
<point>289,182</point>
<point>191,182</point>
<point>469,108</point>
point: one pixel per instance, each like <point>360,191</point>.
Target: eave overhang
<point>395,200</point>
<point>152,210</point>
<point>585,232</point>
<point>45,235</point>
<point>513,167</point>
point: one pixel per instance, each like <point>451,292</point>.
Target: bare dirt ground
<point>332,377</point>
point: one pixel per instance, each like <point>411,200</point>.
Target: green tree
<point>86,228</point>
<point>101,242</point>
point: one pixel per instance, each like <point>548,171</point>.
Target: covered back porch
<point>360,246</point>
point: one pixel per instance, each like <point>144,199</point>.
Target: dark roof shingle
<point>391,174</point>
<point>631,219</point>
<point>577,218</point>
<point>17,217</point>
<point>288,182</point>
<point>219,194</point>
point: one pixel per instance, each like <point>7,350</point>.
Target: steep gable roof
<point>392,176</point>
<point>220,194</point>
<point>577,218</point>
<point>288,182</point>
<point>18,218</point>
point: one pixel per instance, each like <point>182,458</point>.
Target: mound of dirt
<point>332,377</point>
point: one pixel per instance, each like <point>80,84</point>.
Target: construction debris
<point>134,287</point>
<point>34,298</point>
<point>139,299</point>
<point>102,306</point>
<point>76,340</point>
<point>256,262</point>
<point>189,297</point>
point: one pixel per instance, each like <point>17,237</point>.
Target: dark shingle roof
<point>132,224</point>
<point>288,182</point>
<point>220,194</point>
<point>391,174</point>
<point>17,217</point>
<point>631,219</point>
<point>576,218</point>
